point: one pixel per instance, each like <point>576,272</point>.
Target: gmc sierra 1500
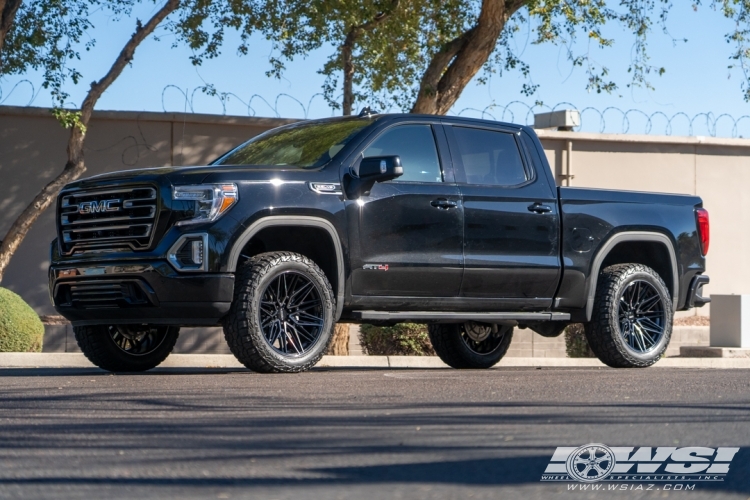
<point>453,222</point>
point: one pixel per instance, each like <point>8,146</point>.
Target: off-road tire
<point>242,324</point>
<point>447,342</point>
<point>603,331</point>
<point>97,345</point>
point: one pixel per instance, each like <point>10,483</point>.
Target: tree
<point>46,35</point>
<point>422,54</point>
<point>8,10</point>
<point>299,26</point>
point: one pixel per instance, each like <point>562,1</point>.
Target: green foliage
<point>51,36</point>
<point>391,58</point>
<point>69,119</point>
<point>403,339</point>
<point>20,327</point>
<point>576,344</point>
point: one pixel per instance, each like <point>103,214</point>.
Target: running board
<point>486,317</point>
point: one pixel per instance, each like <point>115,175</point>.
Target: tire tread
<point>237,326</point>
<point>600,333</point>
<point>98,348</point>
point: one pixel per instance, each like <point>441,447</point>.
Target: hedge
<point>405,339</point>
<point>21,330</point>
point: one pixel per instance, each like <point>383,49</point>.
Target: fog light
<point>197,252</point>
<point>189,253</point>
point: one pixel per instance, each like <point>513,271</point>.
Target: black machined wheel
<point>126,348</point>
<point>291,313</point>
<point>281,319</point>
<point>137,340</point>
<point>470,344</point>
<point>482,339</point>
<point>631,323</point>
<point>642,316</point>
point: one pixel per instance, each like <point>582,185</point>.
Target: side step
<point>487,317</point>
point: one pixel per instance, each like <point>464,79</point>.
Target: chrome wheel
<point>291,314</point>
<point>642,316</point>
<point>137,340</point>
<point>481,338</point>
<point>590,463</point>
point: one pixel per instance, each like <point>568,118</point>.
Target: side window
<point>415,145</point>
<point>489,157</point>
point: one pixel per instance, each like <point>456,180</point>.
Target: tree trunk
<point>75,166</point>
<point>340,343</point>
<point>8,9</point>
<point>451,69</point>
<point>347,51</point>
<point>346,55</point>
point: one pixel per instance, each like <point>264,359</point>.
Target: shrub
<point>21,330</point>
<point>576,344</point>
<point>404,339</point>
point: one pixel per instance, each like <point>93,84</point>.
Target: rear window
<point>303,145</point>
<point>490,157</point>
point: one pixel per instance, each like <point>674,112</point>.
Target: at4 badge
<point>376,267</point>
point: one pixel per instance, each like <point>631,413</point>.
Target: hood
<point>197,175</point>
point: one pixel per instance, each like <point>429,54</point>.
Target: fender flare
<point>294,220</point>
<point>593,278</point>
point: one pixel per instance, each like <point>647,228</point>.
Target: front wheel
<point>126,348</point>
<point>281,319</point>
<point>470,344</point>
<point>632,319</point>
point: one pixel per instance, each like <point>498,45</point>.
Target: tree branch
<point>8,10</point>
<point>75,166</point>
<point>451,69</point>
<point>347,51</point>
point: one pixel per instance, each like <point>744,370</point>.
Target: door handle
<point>443,204</point>
<point>539,208</point>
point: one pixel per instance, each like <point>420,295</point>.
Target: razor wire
<point>616,120</point>
<point>611,119</point>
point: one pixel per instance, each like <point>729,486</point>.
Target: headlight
<point>211,200</point>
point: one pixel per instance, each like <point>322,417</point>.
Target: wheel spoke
<point>641,316</point>
<point>291,313</point>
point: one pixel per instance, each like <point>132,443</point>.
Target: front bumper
<point>145,292</point>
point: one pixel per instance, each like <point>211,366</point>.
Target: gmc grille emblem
<point>93,207</point>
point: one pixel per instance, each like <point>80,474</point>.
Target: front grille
<point>102,294</point>
<point>107,218</point>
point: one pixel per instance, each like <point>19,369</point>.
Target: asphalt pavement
<point>353,433</point>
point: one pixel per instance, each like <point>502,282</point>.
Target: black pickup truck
<point>378,219</point>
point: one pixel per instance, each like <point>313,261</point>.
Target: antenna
<point>366,112</point>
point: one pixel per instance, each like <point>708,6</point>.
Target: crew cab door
<point>409,234</point>
<point>511,221</point>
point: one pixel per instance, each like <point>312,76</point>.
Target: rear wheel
<point>470,344</point>
<point>632,319</point>
<point>126,348</point>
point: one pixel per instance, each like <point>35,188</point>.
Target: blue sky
<point>697,79</point>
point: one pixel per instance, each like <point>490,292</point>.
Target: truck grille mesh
<point>107,219</point>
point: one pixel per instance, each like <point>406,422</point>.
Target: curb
<point>77,360</point>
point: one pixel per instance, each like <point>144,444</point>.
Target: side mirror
<point>380,168</point>
<point>372,170</point>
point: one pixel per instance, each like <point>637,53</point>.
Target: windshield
<point>304,145</point>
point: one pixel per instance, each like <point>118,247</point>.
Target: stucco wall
<point>32,151</point>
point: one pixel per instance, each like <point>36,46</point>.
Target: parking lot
<point>345,433</point>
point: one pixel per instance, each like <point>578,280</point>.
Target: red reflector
<point>703,228</point>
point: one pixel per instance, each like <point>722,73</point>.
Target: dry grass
<point>693,321</point>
